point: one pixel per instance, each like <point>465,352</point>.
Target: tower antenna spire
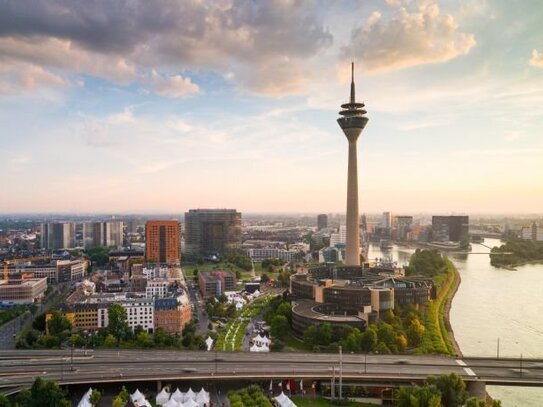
<point>352,82</point>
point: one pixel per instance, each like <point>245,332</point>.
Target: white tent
<point>172,403</point>
<point>264,348</point>
<point>265,340</point>
<point>190,403</point>
<point>136,396</point>
<point>209,343</point>
<point>85,400</point>
<point>254,348</point>
<point>88,393</point>
<point>177,396</point>
<point>84,403</point>
<point>284,401</point>
<point>256,293</point>
<point>202,397</point>
<point>162,397</point>
<point>189,395</point>
<point>203,393</point>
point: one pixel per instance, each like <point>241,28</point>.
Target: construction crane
<point>7,263</point>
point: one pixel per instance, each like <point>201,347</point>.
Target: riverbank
<point>447,310</point>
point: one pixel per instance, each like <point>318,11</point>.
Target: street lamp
<point>498,349</point>
<point>340,373</point>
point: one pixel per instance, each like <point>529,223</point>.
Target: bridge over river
<point>18,369</point>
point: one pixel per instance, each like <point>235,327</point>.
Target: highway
<point>19,368</point>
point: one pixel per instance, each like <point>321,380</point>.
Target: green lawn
<point>308,401</point>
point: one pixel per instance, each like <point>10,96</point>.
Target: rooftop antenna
<point>352,82</point>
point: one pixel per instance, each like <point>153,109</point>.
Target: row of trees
<point>439,391</point>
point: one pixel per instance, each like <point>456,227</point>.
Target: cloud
<point>173,86</point>
<point>408,38</point>
<point>16,77</point>
<point>536,59</point>
<point>126,42</point>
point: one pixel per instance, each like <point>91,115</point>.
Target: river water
<point>493,303</point>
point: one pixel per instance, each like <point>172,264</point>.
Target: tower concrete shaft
<point>352,123</point>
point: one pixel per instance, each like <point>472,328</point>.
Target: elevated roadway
<point>18,369</point>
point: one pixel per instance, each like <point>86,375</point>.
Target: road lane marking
<point>461,362</point>
<point>469,371</point>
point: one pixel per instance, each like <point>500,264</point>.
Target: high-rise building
<point>352,123</point>
<point>162,238</point>
<point>108,234</point>
<point>322,221</point>
<point>387,220</point>
<point>57,235</point>
<point>450,229</point>
<point>403,227</point>
<point>209,231</point>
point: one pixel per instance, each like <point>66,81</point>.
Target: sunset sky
<point>139,106</point>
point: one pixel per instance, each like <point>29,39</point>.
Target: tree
<point>325,333</point>
<point>110,341</point>
<point>95,397</point>
<point>279,326</point>
<point>285,309</point>
<point>475,402</point>
<point>368,340</point>
<point>425,396</point>
<point>39,323</point>
<point>352,342</point>
<point>24,398</point>
<point>58,324</point>
<point>118,322</point>
<point>47,394</point>
<point>223,299</point>
<point>264,278</point>
<point>4,401</point>
<point>310,335</point>
<point>118,402</point>
<point>144,340</point>
<point>415,332</point>
<point>452,388</point>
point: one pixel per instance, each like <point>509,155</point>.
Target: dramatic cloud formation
<point>537,59</point>
<point>408,38</point>
<point>138,41</point>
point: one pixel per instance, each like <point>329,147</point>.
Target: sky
<point>157,107</point>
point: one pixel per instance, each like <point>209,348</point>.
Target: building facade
<point>450,228</point>
<point>322,221</point>
<point>26,291</point>
<point>215,283</point>
<point>533,232</point>
<point>272,253</point>
<point>211,231</point>
<point>57,235</point>
<point>108,234</point>
<point>162,244</point>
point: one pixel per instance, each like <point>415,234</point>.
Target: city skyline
<point>209,105</point>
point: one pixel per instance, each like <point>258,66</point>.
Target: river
<point>493,303</point>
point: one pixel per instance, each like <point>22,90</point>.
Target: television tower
<point>352,122</point>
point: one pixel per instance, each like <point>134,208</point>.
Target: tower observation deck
<point>352,122</point>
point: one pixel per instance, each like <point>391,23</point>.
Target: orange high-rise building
<point>162,238</point>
